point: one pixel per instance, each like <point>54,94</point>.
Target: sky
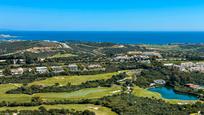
<point>102,15</point>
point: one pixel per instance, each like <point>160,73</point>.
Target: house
<point>193,86</point>
<point>160,81</point>
<point>1,73</point>
<point>18,61</point>
<point>187,64</point>
<point>168,64</point>
<point>134,53</point>
<point>121,58</point>
<point>139,57</point>
<point>2,61</point>
<point>152,84</point>
<point>190,67</point>
<point>57,69</point>
<point>17,71</point>
<point>145,61</point>
<point>152,54</point>
<point>73,67</point>
<point>41,70</point>
<point>22,61</point>
<point>94,66</point>
<point>41,59</point>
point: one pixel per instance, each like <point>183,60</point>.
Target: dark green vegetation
<point>130,105</point>
<point>44,111</point>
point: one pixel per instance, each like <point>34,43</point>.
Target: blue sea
<point>110,36</point>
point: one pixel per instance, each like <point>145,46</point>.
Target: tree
<point>36,100</point>
<point>29,59</point>
<point>7,71</point>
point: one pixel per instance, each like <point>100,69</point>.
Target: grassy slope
<point>89,93</point>
<point>74,80</point>
<point>59,55</point>
<point>99,110</point>
<point>19,98</point>
<point>81,94</point>
<point>6,87</point>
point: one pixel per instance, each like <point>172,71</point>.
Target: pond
<point>169,93</point>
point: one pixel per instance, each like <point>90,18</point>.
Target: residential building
<point>190,67</point>
<point>93,66</point>
<point>121,58</point>
<point>41,70</point>
<point>73,67</point>
<point>160,81</point>
<point>2,61</point>
<point>18,61</point>
<point>1,73</point>
<point>168,64</point>
<point>17,71</point>
<point>187,64</point>
<point>152,54</point>
<point>192,86</point>
<point>57,69</point>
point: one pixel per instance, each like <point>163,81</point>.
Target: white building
<point>73,67</point>
<point>1,73</point>
<point>121,58</point>
<point>57,69</point>
<point>190,67</point>
<point>93,66</point>
<point>17,71</point>
<point>1,61</point>
<point>168,64</point>
<point>160,81</point>
<point>187,64</point>
<point>156,54</point>
<point>41,70</point>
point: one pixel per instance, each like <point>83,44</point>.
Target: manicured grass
<point>6,87</point>
<point>140,92</point>
<point>162,47</point>
<point>89,93</point>
<point>74,80</point>
<point>18,98</point>
<point>99,110</point>
<point>59,55</point>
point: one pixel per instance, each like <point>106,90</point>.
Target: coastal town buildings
<point>189,67</point>
<point>138,58</point>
